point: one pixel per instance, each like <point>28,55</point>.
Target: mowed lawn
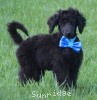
<point>34,15</point>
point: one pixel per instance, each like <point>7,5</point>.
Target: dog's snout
<point>69,34</point>
<point>69,28</point>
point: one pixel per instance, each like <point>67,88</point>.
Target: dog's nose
<point>69,34</point>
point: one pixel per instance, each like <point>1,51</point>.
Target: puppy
<point>60,52</point>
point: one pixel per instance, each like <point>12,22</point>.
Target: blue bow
<point>64,42</point>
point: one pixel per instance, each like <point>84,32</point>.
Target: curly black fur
<point>41,52</point>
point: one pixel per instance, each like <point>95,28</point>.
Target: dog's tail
<point>12,29</point>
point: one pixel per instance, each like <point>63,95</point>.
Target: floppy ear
<point>53,21</point>
<point>81,22</point>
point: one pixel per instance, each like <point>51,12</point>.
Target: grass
<point>34,14</point>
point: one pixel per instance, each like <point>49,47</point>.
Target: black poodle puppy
<point>60,52</point>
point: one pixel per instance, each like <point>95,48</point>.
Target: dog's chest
<point>68,51</point>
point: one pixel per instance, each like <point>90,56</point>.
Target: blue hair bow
<point>64,42</point>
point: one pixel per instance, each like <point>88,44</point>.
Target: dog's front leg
<point>62,76</point>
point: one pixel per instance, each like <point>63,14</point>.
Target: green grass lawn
<point>34,14</point>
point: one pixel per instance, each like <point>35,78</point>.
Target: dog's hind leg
<point>27,73</point>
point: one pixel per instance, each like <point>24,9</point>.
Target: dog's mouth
<point>70,35</point>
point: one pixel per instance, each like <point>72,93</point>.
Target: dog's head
<point>67,21</point>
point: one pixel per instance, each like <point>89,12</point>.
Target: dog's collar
<point>65,42</point>
<point>71,40</point>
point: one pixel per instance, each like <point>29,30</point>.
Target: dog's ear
<point>81,21</point>
<point>53,21</point>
